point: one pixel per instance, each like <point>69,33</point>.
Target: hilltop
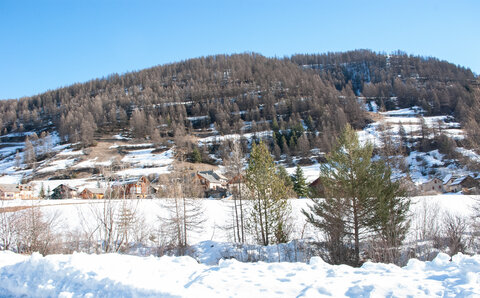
<point>133,124</point>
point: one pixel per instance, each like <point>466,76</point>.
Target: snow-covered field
<point>113,275</point>
<point>209,275</point>
<point>76,214</point>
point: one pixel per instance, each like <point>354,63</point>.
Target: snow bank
<point>113,275</point>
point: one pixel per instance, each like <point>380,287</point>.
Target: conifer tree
<point>268,220</point>
<point>196,156</point>
<point>359,199</point>
<point>299,183</point>
<point>42,192</point>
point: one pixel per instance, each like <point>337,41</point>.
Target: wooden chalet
<point>93,193</point>
<point>132,188</point>
<point>16,191</point>
<point>317,188</point>
<point>63,192</point>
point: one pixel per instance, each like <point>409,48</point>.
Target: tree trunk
<point>356,232</point>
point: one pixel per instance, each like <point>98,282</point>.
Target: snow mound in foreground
<point>114,275</point>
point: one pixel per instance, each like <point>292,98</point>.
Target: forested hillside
<point>304,99</point>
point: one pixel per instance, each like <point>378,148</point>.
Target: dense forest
<point>304,99</point>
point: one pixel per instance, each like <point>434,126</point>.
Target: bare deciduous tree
<point>185,212</point>
<point>234,165</point>
<point>454,229</point>
<point>35,231</point>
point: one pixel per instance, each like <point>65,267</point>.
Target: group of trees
<point>36,148</point>
<point>28,231</point>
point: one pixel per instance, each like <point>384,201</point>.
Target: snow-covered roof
<point>9,188</point>
<point>212,176</point>
<point>95,190</point>
<point>447,178</point>
<point>461,179</point>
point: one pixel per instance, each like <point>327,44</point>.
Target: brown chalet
<point>93,193</point>
<point>63,191</point>
<point>317,188</point>
<point>131,189</point>
<point>16,191</point>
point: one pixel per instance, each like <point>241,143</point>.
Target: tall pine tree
<point>359,199</point>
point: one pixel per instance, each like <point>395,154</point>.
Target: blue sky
<point>49,44</point>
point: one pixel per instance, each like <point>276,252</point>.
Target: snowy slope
<point>114,275</point>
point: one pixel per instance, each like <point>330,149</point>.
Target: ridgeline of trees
<point>249,91</point>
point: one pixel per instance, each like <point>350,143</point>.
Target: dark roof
<point>66,186</point>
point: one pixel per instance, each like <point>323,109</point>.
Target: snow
<point>457,204</point>
<point>213,139</point>
<point>57,165</point>
<point>145,158</point>
<point>120,137</point>
<point>469,153</point>
<point>137,172</point>
<point>70,152</point>
<point>92,163</point>
<point>217,213</point>
<point>5,151</point>
<point>310,172</point>
<point>197,118</point>
<point>114,275</point>
<point>131,145</point>
<point>11,179</point>
<point>410,119</point>
<point>407,112</point>
<point>208,274</point>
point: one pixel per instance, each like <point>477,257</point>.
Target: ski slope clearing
<point>114,275</point>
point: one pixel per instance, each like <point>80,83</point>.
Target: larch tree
<point>185,210</point>
<point>269,217</point>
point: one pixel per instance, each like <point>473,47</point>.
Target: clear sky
<point>49,44</point>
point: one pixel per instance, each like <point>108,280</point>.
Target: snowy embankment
<point>114,275</point>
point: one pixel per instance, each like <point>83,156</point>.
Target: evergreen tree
<point>299,183</point>
<point>268,220</point>
<point>359,196</point>
<point>196,156</point>
<point>390,220</point>
<point>42,192</point>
